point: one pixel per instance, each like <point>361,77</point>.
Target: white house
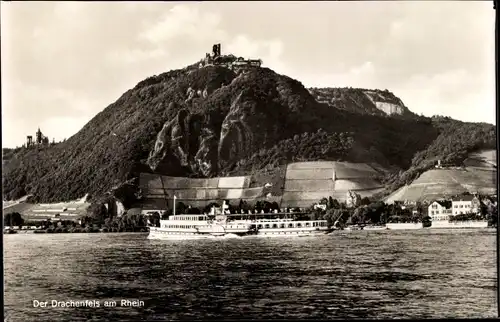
<point>465,204</point>
<point>320,206</point>
<point>440,210</point>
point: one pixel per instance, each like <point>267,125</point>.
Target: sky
<point>64,62</point>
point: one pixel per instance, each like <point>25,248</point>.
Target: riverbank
<point>413,226</point>
<point>459,224</point>
<point>71,231</point>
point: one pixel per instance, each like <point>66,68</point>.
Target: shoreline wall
<point>301,185</point>
<point>404,226</point>
<point>459,224</point>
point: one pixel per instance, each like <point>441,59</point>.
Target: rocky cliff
<point>373,102</point>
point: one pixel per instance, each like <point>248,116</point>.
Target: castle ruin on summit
<point>229,61</point>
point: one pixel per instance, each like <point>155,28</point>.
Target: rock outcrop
<point>204,147</point>
<point>374,102</point>
<point>189,139</point>
<point>353,199</point>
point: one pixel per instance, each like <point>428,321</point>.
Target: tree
<point>193,211</point>
<point>330,203</point>
<point>107,223</point>
<point>365,201</point>
<point>97,213</point>
<point>331,216</point>
<point>208,207</point>
<point>358,216</point>
<point>17,193</point>
<point>483,209</point>
<point>13,219</point>
<point>154,219</point>
<point>275,206</point>
<point>426,221</point>
<point>127,193</point>
<point>180,208</point>
<point>492,215</point>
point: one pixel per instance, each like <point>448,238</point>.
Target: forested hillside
<point>211,121</point>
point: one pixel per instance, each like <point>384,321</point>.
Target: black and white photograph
<point>241,160</point>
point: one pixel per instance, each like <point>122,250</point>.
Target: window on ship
<point>299,224</point>
<point>290,225</point>
<point>275,226</point>
<point>259,226</point>
<point>308,224</point>
<point>282,225</point>
<point>266,226</point>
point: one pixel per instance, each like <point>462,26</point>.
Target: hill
<point>212,121</point>
<point>449,181</point>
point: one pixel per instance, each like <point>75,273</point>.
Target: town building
<point>465,204</point>
<point>320,206</point>
<point>440,210</point>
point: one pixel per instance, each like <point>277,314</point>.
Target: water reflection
<point>418,274</point>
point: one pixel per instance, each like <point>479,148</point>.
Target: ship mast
<point>165,196</point>
<point>175,197</point>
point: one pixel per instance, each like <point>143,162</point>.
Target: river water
<point>360,274</point>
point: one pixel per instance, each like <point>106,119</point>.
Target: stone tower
<point>39,137</point>
<point>29,141</point>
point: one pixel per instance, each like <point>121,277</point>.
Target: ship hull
<point>159,233</point>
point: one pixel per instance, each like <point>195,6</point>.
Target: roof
<point>463,198</point>
<point>444,203</point>
<point>134,211</point>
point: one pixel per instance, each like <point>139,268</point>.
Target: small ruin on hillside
<point>229,61</point>
<point>41,140</point>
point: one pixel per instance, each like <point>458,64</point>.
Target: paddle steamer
<point>220,223</point>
